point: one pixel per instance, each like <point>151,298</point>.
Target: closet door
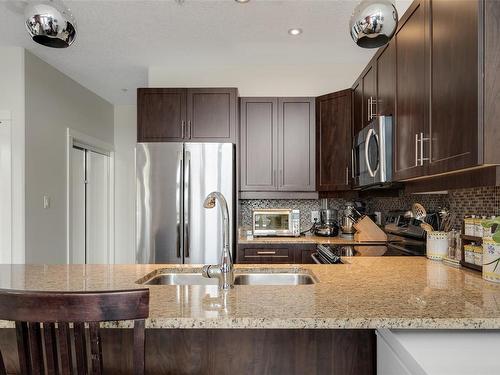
<point>77,255</point>
<point>97,212</point>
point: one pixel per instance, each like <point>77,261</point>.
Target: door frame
<point>7,258</point>
<point>75,138</point>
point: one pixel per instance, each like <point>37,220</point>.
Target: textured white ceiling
<point>119,39</point>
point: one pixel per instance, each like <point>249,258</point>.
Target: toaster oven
<point>276,222</point>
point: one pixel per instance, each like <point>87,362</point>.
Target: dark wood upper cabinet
<point>454,86</point>
<point>187,115</point>
<point>161,115</point>
<point>258,144</point>
<point>333,141</point>
<point>358,109</point>
<point>386,80</point>
<point>412,104</point>
<point>296,144</point>
<point>211,115</point>
<point>277,141</point>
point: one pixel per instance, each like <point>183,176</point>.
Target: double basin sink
<point>263,277</point>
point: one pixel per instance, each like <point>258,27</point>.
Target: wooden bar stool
<point>55,329</point>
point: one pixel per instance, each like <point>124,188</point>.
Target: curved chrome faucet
<point>223,271</point>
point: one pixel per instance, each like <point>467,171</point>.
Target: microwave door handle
<point>352,162</point>
<point>371,133</point>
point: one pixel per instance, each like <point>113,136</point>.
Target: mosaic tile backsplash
<point>484,201</point>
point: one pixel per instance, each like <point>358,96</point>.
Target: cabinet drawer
<point>265,255</point>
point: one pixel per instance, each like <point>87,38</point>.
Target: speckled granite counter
<point>303,239</point>
<point>369,292</point>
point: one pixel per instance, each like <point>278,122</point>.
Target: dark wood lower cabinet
<point>275,253</point>
<point>233,351</point>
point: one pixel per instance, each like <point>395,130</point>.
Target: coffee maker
<point>328,226</point>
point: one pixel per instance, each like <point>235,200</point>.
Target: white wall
<point>12,98</point>
<point>54,102</point>
<point>125,140</point>
<point>260,80</point>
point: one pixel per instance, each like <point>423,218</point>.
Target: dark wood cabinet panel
<point>211,115</point>
<point>333,141</point>
<point>296,144</point>
<point>454,90</point>
<point>386,80</point>
<point>275,253</point>
<point>187,115</point>
<point>358,109</point>
<point>258,145</point>
<point>277,140</point>
<point>161,115</point>
<point>412,105</point>
<point>369,94</point>
<point>231,351</point>
<point>304,256</point>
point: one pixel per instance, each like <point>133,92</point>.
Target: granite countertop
<point>367,292</point>
<point>304,239</point>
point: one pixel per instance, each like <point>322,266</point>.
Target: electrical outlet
<point>315,216</point>
<point>46,201</point>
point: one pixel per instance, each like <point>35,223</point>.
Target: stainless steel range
<point>404,238</point>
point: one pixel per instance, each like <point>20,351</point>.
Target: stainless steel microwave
<point>276,222</point>
<point>372,153</point>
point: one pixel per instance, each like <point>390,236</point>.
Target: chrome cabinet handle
<point>347,175</point>
<point>266,252</point>
<point>422,139</point>
<point>369,110</point>
<point>417,161</point>
<point>190,130</point>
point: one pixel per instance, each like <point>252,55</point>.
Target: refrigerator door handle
<point>187,202</point>
<point>178,204</point>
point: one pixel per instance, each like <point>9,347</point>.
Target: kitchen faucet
<point>224,270</point>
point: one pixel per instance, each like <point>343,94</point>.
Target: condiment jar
<point>491,260</point>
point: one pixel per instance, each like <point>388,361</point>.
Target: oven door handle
<point>371,133</point>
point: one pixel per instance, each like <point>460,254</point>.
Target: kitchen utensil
<point>418,211</point>
<point>349,217</point>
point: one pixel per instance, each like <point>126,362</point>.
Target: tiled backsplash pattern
<point>484,201</point>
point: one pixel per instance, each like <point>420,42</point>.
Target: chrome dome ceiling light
<point>50,24</point>
<point>373,23</point>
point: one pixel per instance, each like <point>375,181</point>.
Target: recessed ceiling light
<point>295,31</point>
<point>242,1</point>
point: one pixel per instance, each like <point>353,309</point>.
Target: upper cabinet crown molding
<point>187,115</point>
<point>277,152</point>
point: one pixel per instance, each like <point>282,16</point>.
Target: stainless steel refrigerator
<point>173,180</point>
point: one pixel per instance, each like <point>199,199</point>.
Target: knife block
<point>367,230</point>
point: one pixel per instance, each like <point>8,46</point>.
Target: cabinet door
<point>369,95</point>
<point>358,109</point>
<point>211,115</point>
<point>386,81</point>
<point>454,93</point>
<point>412,109</point>
<point>333,141</point>
<point>258,144</point>
<point>296,144</point>
<point>161,115</point>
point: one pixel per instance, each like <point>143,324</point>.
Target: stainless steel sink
<point>174,278</point>
<point>241,278</point>
<point>274,279</point>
